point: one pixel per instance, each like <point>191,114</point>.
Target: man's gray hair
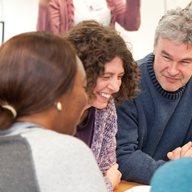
<point>176,25</point>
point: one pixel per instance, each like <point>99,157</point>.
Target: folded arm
<point>134,164</point>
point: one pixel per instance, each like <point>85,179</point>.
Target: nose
<point>173,69</point>
<point>114,85</point>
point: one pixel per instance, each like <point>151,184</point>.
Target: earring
<point>59,106</point>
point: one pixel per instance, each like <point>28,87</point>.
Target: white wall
<point>21,16</point>
<point>151,11</point>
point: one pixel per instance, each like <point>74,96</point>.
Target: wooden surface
<point>124,185</point>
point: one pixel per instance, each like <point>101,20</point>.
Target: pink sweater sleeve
<point>55,16</point>
<point>43,20</point>
<point>127,14</point>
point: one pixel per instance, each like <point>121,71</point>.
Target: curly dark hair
<point>96,45</point>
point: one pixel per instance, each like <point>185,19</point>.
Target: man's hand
<point>185,151</point>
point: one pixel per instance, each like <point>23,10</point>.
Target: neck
<point>84,115</point>
<point>44,119</point>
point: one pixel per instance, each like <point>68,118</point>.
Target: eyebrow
<point>183,59</point>
<point>109,73</point>
<point>164,52</point>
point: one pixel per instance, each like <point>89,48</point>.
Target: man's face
<point>172,64</point>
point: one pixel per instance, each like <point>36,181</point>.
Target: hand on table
<point>114,175</point>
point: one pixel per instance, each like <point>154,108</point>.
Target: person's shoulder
<point>52,139</point>
<point>173,176</point>
<point>73,161</point>
<point>50,144</point>
<point>144,59</point>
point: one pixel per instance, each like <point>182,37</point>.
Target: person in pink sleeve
<point>59,16</point>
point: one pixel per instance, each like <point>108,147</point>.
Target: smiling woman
<point>108,83</point>
<point>112,75</point>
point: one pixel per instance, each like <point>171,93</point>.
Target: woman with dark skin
<point>42,97</point>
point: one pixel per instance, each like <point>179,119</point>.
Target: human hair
<point>36,69</point>
<point>96,45</point>
<point>176,25</point>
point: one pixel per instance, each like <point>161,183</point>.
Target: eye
<point>166,58</point>
<point>185,62</point>
<point>120,77</point>
<point>106,77</point>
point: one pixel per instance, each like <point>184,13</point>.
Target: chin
<point>170,89</point>
<point>101,106</point>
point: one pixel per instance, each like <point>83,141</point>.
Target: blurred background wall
<point>21,16</point>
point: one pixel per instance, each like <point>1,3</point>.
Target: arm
<point>44,2</point>
<point>106,123</point>
<point>87,172</point>
<point>55,16</point>
<point>134,164</point>
<point>107,157</point>
<point>128,14</point>
<point>43,16</point>
<point>112,177</point>
<point>63,163</point>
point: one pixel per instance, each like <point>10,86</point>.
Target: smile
<point>106,95</point>
<point>170,79</point>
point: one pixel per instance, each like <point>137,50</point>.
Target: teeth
<point>105,95</point>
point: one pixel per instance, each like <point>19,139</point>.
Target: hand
<point>185,151</point>
<point>114,175</point>
<point>44,2</point>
